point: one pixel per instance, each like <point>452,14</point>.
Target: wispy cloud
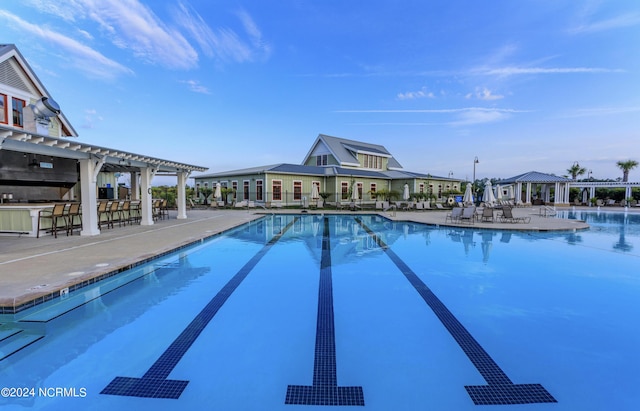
<point>514,70</point>
<point>602,111</point>
<point>222,43</point>
<point>196,87</point>
<point>484,94</point>
<point>412,95</point>
<point>618,22</point>
<point>462,116</point>
<point>90,118</point>
<point>84,58</point>
<point>133,26</point>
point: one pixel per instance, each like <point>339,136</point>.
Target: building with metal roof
<point>43,161</point>
<point>335,167</point>
<point>540,188</point>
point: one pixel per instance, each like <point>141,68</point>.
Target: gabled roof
<point>10,51</point>
<point>535,177</point>
<point>346,151</point>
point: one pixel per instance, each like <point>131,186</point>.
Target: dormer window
<point>322,160</point>
<point>372,161</point>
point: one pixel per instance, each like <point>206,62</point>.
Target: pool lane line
<point>154,383</point>
<point>325,389</point>
<point>500,390</point>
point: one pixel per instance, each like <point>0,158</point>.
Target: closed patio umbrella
<point>405,193</point>
<point>468,195</point>
<point>488,196</point>
<point>314,192</point>
<point>498,192</point>
<point>218,192</point>
<point>354,194</point>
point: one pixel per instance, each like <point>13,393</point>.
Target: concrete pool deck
<point>33,270</point>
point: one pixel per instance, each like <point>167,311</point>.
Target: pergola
<point>94,159</point>
<point>535,182</point>
<point>592,185</point>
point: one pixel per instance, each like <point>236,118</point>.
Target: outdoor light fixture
<point>475,161</point>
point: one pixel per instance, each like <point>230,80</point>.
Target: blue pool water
<point>342,312</point>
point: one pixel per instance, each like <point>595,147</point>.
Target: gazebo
<point>537,188</point>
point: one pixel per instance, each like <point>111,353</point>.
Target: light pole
<point>475,161</point>
<point>473,183</point>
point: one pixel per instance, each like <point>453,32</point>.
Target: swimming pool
<point>347,312</point>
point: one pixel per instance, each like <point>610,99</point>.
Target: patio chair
<point>124,212</point>
<point>468,215</point>
<point>508,217</point>
<point>54,214</point>
<point>134,212</point>
<point>155,209</point>
<point>114,211</point>
<point>75,215</point>
<point>454,215</point>
<point>103,210</point>
<point>487,214</point>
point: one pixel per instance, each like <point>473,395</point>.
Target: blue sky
<point>523,85</point>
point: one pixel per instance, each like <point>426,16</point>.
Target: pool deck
<point>33,270</point>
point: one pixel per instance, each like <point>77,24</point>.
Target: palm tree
<point>626,166</point>
<point>575,170</point>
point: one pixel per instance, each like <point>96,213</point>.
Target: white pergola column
<point>135,189</point>
<point>181,195</point>
<point>528,195</point>
<point>88,196</point>
<point>146,200</point>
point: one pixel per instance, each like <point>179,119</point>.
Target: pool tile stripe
<point>154,383</point>
<point>500,389</point>
<point>325,389</point>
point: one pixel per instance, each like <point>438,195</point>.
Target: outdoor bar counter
<point>22,218</point>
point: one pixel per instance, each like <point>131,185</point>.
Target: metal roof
<point>345,150</point>
<point>116,160</point>
<point>535,177</point>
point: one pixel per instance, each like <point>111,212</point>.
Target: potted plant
<point>324,197</point>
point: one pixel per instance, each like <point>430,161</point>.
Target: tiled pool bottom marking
<point>500,389</point>
<point>154,383</point>
<point>325,389</point>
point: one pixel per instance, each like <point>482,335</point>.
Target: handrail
<point>391,207</point>
<point>546,211</point>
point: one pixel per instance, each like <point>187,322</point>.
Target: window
<point>3,108</point>
<point>345,190</point>
<point>421,187</point>
<point>372,161</point>
<point>372,189</point>
<point>277,190</point>
<point>18,107</point>
<point>359,188</point>
<point>322,160</point>
<point>297,190</point>
<point>245,188</point>
<point>259,190</point>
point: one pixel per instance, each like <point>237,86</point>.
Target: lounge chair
<point>487,214</point>
<point>468,215</point>
<point>454,215</point>
<point>439,206</point>
<point>508,217</point>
